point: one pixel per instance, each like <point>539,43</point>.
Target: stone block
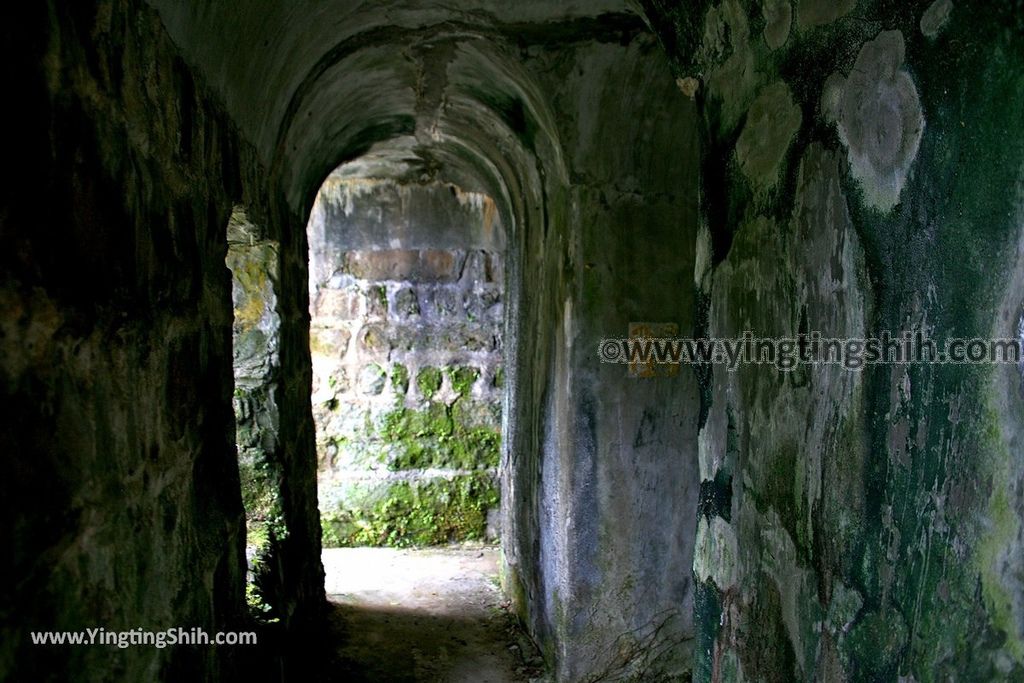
<point>385,264</point>
<point>371,379</point>
<point>473,306</point>
<point>495,268</point>
<point>443,302</point>
<point>331,342</point>
<point>407,303</point>
<point>475,268</point>
<point>376,301</point>
<point>438,264</point>
<point>416,265</point>
<point>343,304</point>
<point>374,340</point>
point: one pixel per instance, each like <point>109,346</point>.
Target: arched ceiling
<point>409,90</point>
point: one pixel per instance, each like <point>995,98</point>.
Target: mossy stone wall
<point>406,348</point>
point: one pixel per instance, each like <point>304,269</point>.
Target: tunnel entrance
<point>406,296</point>
<point>593,189</point>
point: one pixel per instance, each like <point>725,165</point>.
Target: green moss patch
<point>459,435</point>
<point>421,513</point>
<point>399,379</point>
<point>264,523</point>
<point>252,268</point>
<point>434,437</point>
<point>462,379</point>
<point>428,380</point>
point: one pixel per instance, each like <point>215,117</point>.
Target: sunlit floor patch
<point>424,615</point>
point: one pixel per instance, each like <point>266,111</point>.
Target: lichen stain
<point>716,554</point>
<point>778,19</point>
<point>878,115</point>
<point>729,61</point>
<point>688,86</point>
<point>935,17</point>
<point>772,122</point>
<point>811,13</point>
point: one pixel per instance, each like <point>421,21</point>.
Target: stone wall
<point>140,171</point>
<point>567,115</point>
<point>407,311</point>
<point>859,171</point>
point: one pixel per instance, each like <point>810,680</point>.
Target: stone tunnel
<point>176,299</point>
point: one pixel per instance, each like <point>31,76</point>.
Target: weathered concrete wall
<point>121,502</point>
<point>862,173</point>
<point>406,291</point>
<point>605,484</point>
<point>120,497</point>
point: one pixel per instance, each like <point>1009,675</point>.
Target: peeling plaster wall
<point>858,525</point>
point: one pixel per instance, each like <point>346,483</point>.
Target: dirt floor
<point>425,616</point>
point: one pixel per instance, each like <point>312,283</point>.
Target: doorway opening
<point>406,328</point>
<point>406,308</point>
<point>253,260</point>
